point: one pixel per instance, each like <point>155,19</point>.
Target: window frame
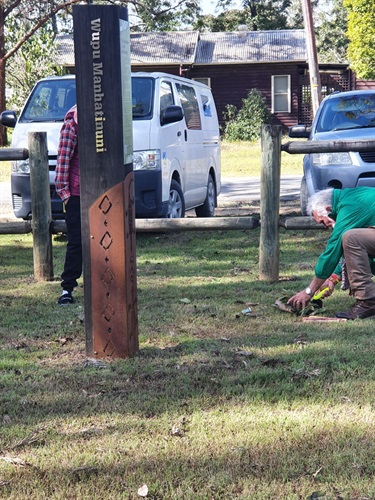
<point>288,93</point>
<point>206,82</point>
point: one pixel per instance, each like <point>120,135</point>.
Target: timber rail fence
<point>42,226</point>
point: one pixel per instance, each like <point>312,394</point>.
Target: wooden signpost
<point>102,55</point>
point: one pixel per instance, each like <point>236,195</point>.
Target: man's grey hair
<point>319,202</point>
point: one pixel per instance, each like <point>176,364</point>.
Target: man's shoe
<point>65,299</point>
<point>362,309</point>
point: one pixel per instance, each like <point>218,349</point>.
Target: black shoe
<point>362,309</point>
<point>65,299</point>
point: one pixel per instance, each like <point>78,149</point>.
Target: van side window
<point>206,105</point>
<point>190,106</point>
<point>166,96</point>
<point>142,98</point>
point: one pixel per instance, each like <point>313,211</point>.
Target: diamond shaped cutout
<point>106,241</point>
<point>105,205</point>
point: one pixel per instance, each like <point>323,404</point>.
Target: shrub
<point>245,124</point>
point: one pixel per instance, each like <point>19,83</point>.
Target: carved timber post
<point>102,55</point>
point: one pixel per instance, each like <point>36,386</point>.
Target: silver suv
<point>341,116</point>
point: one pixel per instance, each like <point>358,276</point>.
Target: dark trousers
<point>73,257</point>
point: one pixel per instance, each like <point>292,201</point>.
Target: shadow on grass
<point>37,382</point>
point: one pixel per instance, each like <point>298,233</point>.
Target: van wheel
<point>304,196</point>
<point>176,202</point>
<point>208,207</point>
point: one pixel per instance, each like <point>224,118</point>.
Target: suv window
<point>342,113</point>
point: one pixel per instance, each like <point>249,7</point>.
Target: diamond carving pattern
<point>105,205</point>
<point>108,312</point>
<point>106,241</point>
<point>107,277</point>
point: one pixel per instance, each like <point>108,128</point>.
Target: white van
<point>176,143</point>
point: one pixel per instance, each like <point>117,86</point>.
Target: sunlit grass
<point>4,171</point>
<point>243,158</point>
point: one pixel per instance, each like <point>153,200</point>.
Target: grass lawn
<point>215,405</point>
<point>244,159</point>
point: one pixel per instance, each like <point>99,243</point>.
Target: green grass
<point>4,171</point>
<point>244,159</point>
<point>215,405</point>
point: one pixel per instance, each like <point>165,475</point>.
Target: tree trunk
<point>3,132</point>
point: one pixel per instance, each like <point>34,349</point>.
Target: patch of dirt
<point>288,207</point>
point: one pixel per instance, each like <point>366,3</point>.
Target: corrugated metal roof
<point>251,46</point>
<point>176,47</point>
<point>192,47</point>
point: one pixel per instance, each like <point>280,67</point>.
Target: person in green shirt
<point>350,213</point>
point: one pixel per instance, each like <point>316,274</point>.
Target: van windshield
<point>50,101</point>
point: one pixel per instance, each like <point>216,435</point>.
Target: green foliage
<point>268,14</point>
<point>245,124</point>
<point>225,21</point>
<point>361,32</point>
<point>166,15</point>
<point>331,34</point>
<point>33,60</point>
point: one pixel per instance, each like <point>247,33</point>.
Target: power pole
<point>316,88</point>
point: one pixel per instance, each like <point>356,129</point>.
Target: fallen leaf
<point>284,307</point>
<point>14,461</point>
<point>185,301</point>
<point>143,491</point>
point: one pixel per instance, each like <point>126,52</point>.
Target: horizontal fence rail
<point>7,154</point>
<point>328,146</point>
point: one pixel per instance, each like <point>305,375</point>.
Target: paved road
<point>234,189</point>
<point>248,189</point>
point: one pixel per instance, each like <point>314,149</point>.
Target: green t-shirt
<point>351,208</point>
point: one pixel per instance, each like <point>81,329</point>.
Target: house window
<point>281,94</point>
<point>206,81</point>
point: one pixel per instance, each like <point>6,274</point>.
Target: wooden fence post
<point>40,206</point>
<point>270,203</point>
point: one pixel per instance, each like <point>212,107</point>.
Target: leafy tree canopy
<point>361,32</point>
<point>331,38</point>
